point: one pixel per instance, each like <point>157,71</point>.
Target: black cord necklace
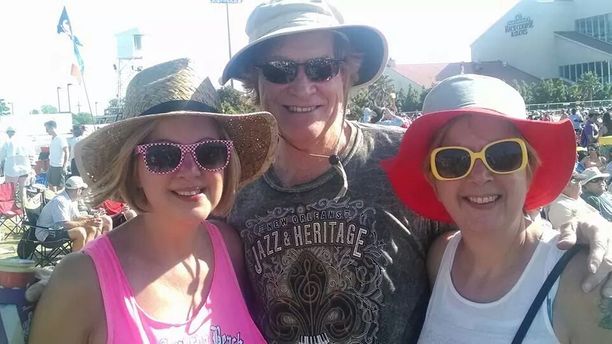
<point>334,161</point>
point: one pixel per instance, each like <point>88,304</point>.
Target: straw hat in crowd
<point>173,89</point>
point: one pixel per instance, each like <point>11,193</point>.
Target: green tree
<point>574,93</point>
<point>82,118</point>
<point>380,91</point>
<point>34,112</point>
<point>378,94</point>
<point>543,91</point>
<point>549,91</point>
<point>525,90</point>
<point>423,95</point>
<point>48,109</point>
<point>232,100</point>
<point>589,85</point>
<point>358,101</point>
<point>409,100</point>
<point>114,108</point>
<point>605,92</point>
<point>4,109</point>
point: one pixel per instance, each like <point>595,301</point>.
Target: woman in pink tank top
<point>169,275</point>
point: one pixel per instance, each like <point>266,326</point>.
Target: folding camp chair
<point>11,216</point>
<point>29,247</point>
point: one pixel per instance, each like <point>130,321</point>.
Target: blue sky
<point>35,60</point>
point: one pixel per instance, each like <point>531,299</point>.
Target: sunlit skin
<point>505,193</point>
<point>166,255</point>
<point>572,189</point>
<point>308,113</point>
<point>497,241</point>
<point>596,186</point>
<point>161,189</point>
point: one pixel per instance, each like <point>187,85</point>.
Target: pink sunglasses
<point>167,157</point>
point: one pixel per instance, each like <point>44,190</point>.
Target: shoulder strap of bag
<point>537,301</point>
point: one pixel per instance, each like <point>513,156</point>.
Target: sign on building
<point>519,25</point>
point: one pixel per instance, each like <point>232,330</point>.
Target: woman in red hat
<point>475,160</point>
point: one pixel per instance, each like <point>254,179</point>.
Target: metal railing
<point>568,105</point>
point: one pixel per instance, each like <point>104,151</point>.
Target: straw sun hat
<point>277,18</point>
<point>478,95</point>
<point>172,89</point>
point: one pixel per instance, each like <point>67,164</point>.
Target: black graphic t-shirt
<point>346,271</point>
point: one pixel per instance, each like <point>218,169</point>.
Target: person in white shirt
<point>61,218</point>
<point>58,158</point>
<point>16,155</point>
<point>569,205</point>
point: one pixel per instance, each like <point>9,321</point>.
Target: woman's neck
<point>169,239</point>
<point>488,265</point>
<point>294,166</point>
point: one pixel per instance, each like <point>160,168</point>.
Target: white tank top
<point>452,318</point>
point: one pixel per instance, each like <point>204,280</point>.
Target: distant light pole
<point>96,108</point>
<point>59,108</point>
<point>229,39</point>
<point>68,93</point>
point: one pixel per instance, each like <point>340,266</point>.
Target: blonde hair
<point>119,181</point>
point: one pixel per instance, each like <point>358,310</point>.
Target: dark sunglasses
<point>285,71</point>
<point>500,157</point>
<point>167,157</point>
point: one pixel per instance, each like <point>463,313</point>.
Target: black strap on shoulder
<point>537,301</point>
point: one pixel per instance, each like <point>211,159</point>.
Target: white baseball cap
<point>75,182</point>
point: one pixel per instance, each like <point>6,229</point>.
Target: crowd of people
<point>64,213</point>
<point>295,225</point>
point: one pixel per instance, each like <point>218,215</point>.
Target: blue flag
<point>64,26</point>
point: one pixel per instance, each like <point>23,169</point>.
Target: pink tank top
<point>224,318</point>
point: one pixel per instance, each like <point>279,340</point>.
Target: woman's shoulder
<point>75,277</point>
<point>71,305</point>
<point>230,237</point>
<point>234,246</point>
<point>578,316</point>
<point>436,252</point>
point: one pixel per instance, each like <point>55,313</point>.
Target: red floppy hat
<point>479,95</point>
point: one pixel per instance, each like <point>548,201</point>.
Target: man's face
<point>10,133</point>
<point>596,186</point>
<point>572,189</point>
<point>303,108</point>
<point>49,130</point>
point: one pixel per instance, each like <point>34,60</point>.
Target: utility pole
<point>68,93</point>
<point>229,37</point>
<point>58,99</point>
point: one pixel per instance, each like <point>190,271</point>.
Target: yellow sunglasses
<point>500,157</point>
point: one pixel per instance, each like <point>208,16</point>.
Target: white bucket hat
<point>592,173</point>
<point>276,18</point>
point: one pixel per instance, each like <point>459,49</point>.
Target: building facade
<point>552,39</point>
